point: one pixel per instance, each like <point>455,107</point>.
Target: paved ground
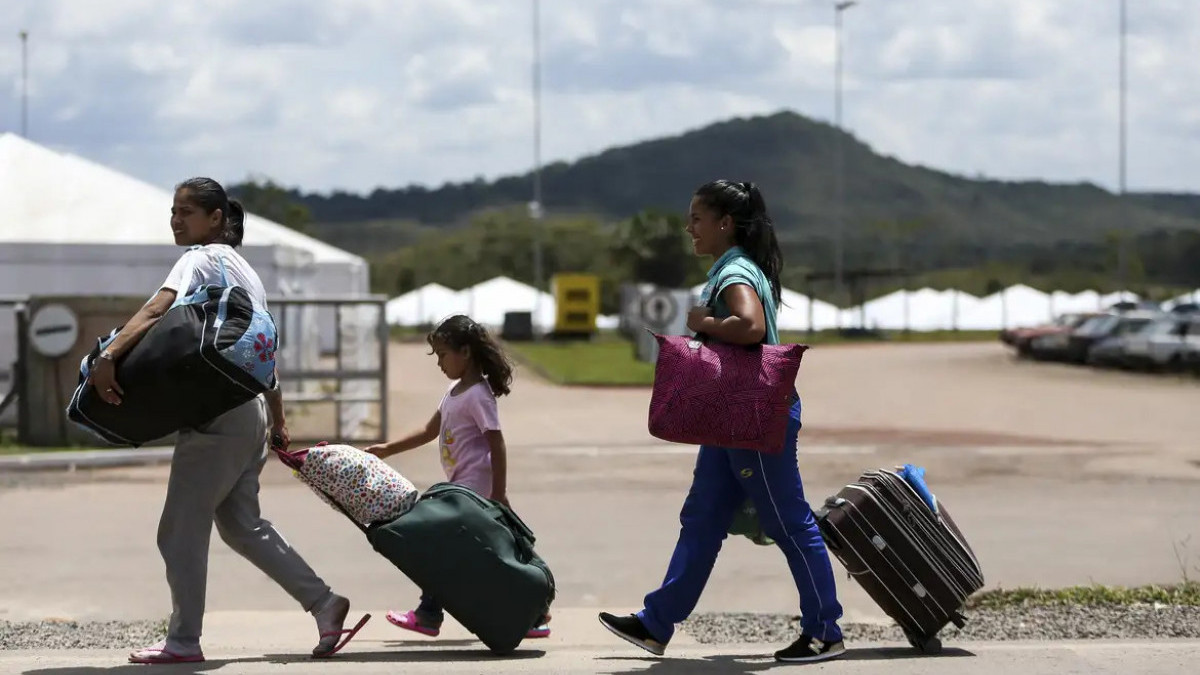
<point>1057,475</point>
<point>580,648</point>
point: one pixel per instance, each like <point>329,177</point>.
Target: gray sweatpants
<point>214,477</point>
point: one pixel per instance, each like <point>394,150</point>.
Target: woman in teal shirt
<point>729,222</point>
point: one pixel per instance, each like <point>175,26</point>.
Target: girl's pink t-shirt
<point>466,455</point>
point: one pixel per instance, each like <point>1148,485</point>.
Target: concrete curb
<point>85,459</point>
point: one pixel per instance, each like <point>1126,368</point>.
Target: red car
<point>1021,338</point>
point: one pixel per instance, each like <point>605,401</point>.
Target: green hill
<point>792,158</point>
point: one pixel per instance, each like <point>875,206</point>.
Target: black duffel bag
<point>212,351</point>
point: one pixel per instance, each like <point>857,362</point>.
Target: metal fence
<point>350,380</point>
<point>339,397</point>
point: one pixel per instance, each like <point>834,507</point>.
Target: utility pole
<point>535,206</point>
<point>838,168</point>
<point>24,83</point>
<point>1123,210</point>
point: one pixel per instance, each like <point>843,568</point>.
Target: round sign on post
<point>53,330</point>
<point>659,309</point>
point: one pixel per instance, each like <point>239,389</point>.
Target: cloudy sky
<point>355,94</point>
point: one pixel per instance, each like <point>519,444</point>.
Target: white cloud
<point>357,94</point>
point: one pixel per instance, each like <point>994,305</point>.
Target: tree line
<point>652,247</point>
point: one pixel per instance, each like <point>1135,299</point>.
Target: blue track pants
<point>722,480</point>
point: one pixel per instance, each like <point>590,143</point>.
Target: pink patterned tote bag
<point>732,396</point>
<point>366,488</point>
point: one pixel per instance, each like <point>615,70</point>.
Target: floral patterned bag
<point>365,487</point>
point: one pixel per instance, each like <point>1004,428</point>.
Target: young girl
<point>467,428</point>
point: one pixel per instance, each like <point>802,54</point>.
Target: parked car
<point>1164,344</point>
<point>1108,352</point>
<point>1052,346</point>
<point>1080,341</point>
<point>1021,339</point>
<point>1191,359</point>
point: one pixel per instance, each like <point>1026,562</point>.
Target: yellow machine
<point>577,303</point>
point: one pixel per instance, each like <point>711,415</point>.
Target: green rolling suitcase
<point>475,557</point>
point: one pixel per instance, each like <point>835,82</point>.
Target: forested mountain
<point>792,158</point>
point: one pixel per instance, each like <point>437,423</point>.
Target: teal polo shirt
<point>735,267</point>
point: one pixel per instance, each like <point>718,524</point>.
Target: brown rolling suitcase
<point>911,559</point>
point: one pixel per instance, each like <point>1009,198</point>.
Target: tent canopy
<point>51,197</point>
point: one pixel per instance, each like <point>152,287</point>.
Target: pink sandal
<point>348,632</point>
<point>408,621</point>
<point>542,630</point>
<point>158,654</point>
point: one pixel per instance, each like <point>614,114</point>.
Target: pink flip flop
<point>160,655</point>
<point>408,621</point>
<point>538,632</point>
<point>349,633</point>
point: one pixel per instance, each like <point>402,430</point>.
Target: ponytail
<point>752,226</point>
<point>235,224</point>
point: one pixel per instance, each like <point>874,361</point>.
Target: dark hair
<point>752,226</point>
<point>210,196</point>
<point>461,331</point>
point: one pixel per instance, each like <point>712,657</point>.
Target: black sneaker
<point>808,649</point>
<point>630,629</point>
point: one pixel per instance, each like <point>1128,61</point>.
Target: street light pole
<point>839,177</point>
<point>24,83</point>
<point>1122,254</point>
<point>535,206</point>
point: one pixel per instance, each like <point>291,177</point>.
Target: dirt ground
<point>1057,475</point>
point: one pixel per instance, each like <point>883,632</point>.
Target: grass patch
<point>609,359</point>
<point>409,333</point>
<point>1186,593</point>
<point>604,361</point>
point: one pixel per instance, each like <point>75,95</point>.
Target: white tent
<point>51,198</point>
<point>940,310</point>
<point>925,309</point>
<point>1111,299</point>
<point>1062,302</point>
<point>428,304</point>
<point>489,301</point>
<point>1186,298</point>
<point>889,312</point>
<point>1014,306</point>
<point>486,302</point>
<point>71,226</point>
<point>794,313</point>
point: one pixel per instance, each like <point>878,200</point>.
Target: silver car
<point>1163,344</point>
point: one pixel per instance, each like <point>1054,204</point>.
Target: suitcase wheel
<point>930,645</point>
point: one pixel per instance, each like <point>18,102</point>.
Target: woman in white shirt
<point>215,467</point>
